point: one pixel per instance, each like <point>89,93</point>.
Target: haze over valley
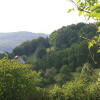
<point>8,41</point>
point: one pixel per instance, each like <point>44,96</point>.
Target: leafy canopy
<point>17,81</point>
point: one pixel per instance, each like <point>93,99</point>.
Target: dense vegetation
<point>17,81</point>
<point>61,54</point>
<point>57,68</point>
<point>61,67</point>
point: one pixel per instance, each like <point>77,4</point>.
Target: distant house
<point>6,53</point>
<point>20,59</point>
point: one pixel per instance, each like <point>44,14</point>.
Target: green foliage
<point>1,55</point>
<point>57,58</point>
<point>66,36</point>
<point>56,93</point>
<point>64,69</point>
<point>94,91</point>
<point>49,74</point>
<point>73,57</point>
<point>90,8</point>
<point>17,81</point>
<point>61,78</point>
<point>75,90</point>
<point>88,72</point>
<point>79,69</point>
<point>29,47</point>
<point>40,52</point>
<point>70,10</point>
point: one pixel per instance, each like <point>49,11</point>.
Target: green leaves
<point>17,81</point>
<point>95,41</point>
<point>98,51</point>
<point>95,11</point>
<point>78,1</point>
<point>70,10</point>
<point>91,43</point>
<point>99,29</point>
<point>80,13</point>
<point>90,8</point>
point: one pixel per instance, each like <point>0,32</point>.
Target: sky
<point>39,16</point>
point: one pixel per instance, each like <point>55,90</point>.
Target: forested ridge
<point>60,67</point>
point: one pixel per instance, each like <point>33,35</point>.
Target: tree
<point>50,73</point>
<point>17,81</point>
<point>40,52</point>
<point>88,73</point>
<point>75,90</point>
<point>65,69</point>
<point>66,36</point>
<point>29,47</point>
<point>90,9</point>
<point>61,78</point>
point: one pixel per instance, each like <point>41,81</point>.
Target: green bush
<point>17,81</point>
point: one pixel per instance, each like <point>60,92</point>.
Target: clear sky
<point>42,16</point>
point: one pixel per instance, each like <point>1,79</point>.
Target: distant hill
<point>8,41</point>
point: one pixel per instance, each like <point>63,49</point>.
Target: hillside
<point>61,54</point>
<point>9,41</point>
<point>60,62</point>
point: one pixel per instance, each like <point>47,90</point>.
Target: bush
<point>75,90</point>
<point>17,81</point>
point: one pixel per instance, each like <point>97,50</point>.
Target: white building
<point>20,59</point>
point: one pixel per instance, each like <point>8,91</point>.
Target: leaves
<point>15,77</point>
<point>80,13</point>
<point>95,11</point>
<point>98,51</point>
<point>78,1</point>
<point>70,10</point>
<point>91,43</point>
<point>99,29</point>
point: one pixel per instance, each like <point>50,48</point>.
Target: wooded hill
<point>64,52</point>
<point>60,67</point>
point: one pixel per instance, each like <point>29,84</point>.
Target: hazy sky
<point>35,15</point>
